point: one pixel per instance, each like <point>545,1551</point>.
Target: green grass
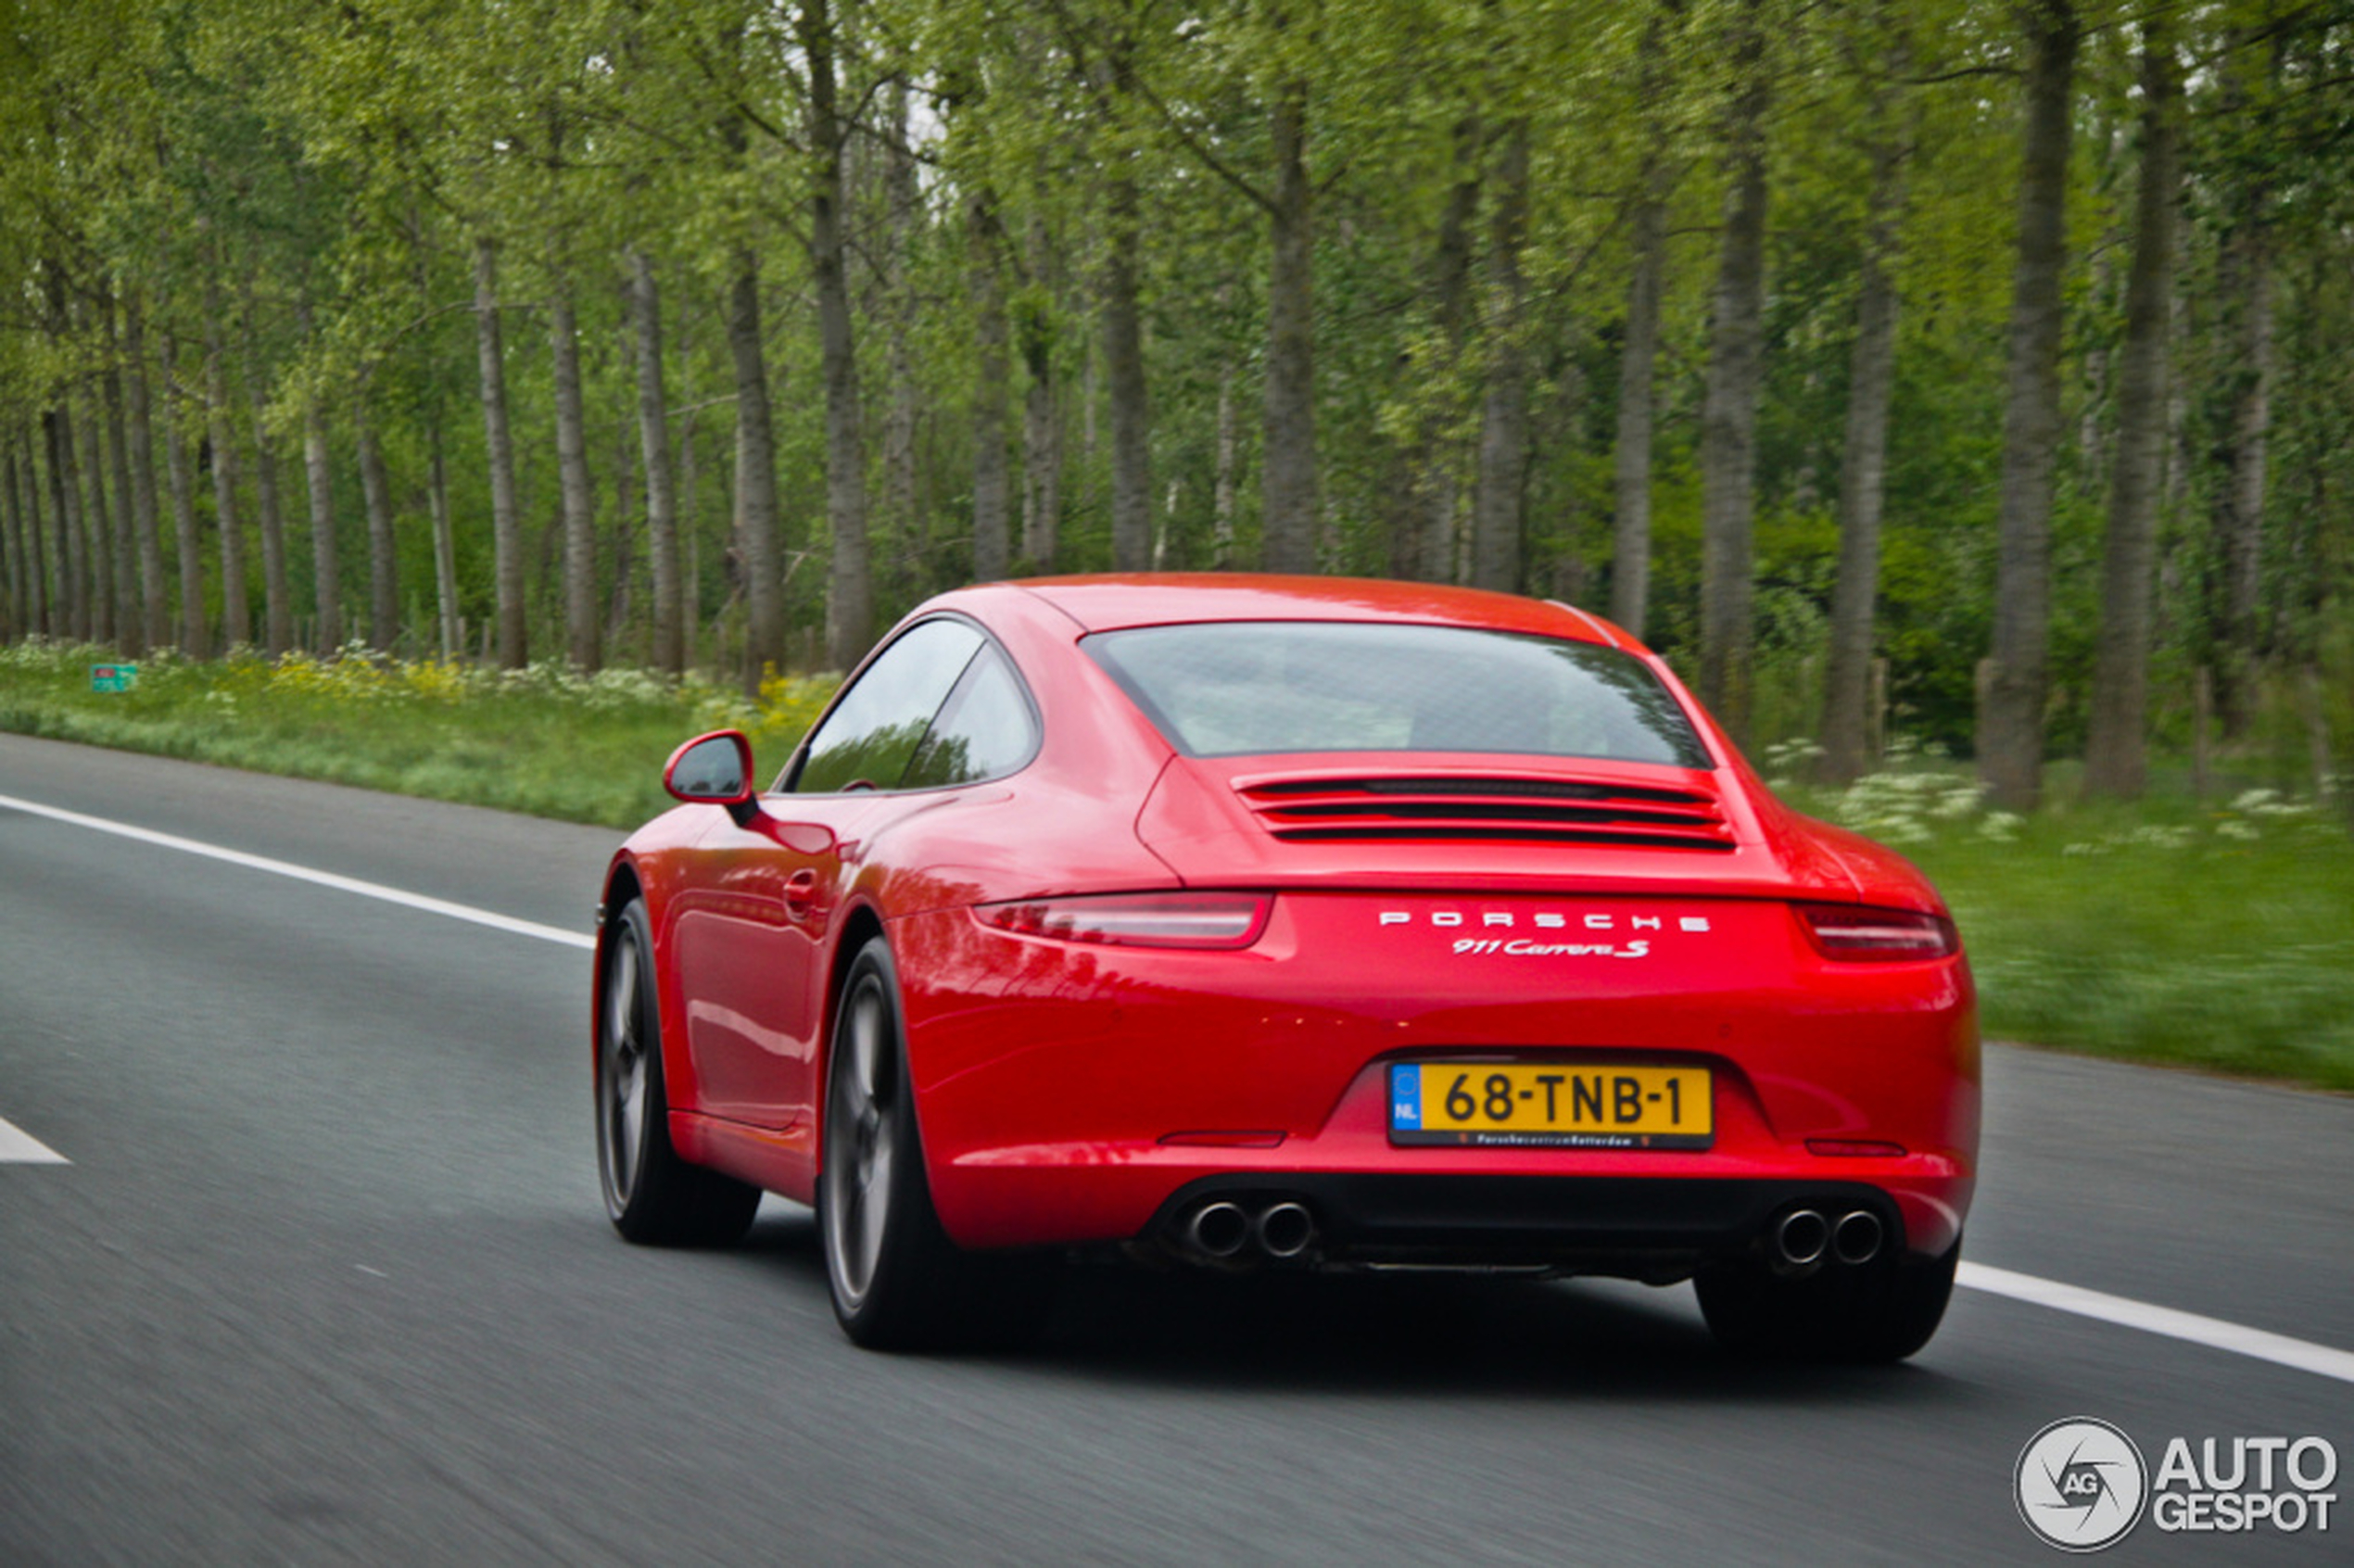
<point>2217,937</point>
<point>540,741</point>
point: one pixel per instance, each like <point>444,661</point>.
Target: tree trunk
<point>1287,466</point>
<point>1221,495</point>
<point>2116,756</point>
<point>506,526</point>
<point>12,553</point>
<point>2010,727</point>
<point>1503,438</point>
<point>130,621</point>
<point>1863,482</point>
<point>993,522</point>
<point>1439,490</point>
<point>849,609</point>
<point>625,495</point>
<point>2244,395</point>
<point>689,492</point>
<point>277,595</point>
<point>183,507</point>
<point>653,439</point>
<point>47,612</point>
<point>1728,409</point>
<point>1041,457</point>
<point>1630,569</point>
<point>445,553</point>
<point>445,567</point>
<point>384,561</point>
<point>69,584</point>
<point>755,478</point>
<point>1132,480</point>
<point>1042,435</point>
<point>326,571</point>
<point>901,523</point>
<point>572,483</point>
<point>98,521</point>
<point>153,612</point>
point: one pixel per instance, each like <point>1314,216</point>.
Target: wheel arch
<point>627,884</point>
<point>860,925</point>
<point>621,888</point>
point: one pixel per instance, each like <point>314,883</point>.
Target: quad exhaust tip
<point>1857,1237</point>
<point>1804,1239</point>
<point>1800,1239</point>
<point>1217,1229</point>
<point>1284,1230</point>
<point>1224,1230</point>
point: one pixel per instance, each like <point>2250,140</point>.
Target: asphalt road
<point>326,1279</point>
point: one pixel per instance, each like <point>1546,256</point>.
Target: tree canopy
<point>721,331</point>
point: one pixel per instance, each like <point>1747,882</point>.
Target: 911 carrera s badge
<point>1524,947</point>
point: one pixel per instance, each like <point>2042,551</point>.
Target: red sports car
<point>1265,922</point>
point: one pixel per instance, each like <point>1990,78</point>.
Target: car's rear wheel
<point>652,1195</point>
<point>1883,1312</point>
<point>898,1282</point>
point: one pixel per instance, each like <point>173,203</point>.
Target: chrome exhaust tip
<point>1800,1238</point>
<point>1217,1229</point>
<point>1285,1229</point>
<point>1857,1237</point>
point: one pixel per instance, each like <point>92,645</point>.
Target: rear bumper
<point>1069,1095</point>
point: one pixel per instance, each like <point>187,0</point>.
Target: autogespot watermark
<point>2082,1485</point>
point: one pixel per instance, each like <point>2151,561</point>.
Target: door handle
<point>801,894</point>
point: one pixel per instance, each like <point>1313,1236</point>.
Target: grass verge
<point>542,740</point>
<point>2217,937</point>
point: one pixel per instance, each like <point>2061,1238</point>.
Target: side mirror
<point>714,769</point>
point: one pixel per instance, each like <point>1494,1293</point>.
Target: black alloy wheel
<point>652,1195</point>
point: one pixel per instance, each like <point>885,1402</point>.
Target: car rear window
<point>1243,688</point>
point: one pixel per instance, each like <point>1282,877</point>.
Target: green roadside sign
<point>113,677</point>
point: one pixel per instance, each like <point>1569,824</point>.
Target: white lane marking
<point>305,874</point>
<point>2214,1333</point>
<point>21,1148</point>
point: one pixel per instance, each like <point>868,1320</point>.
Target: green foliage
<point>244,167</point>
<point>546,739</point>
<point>2217,937</point>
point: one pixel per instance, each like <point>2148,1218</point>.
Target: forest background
<point>1971,371</point>
<point>476,397</point>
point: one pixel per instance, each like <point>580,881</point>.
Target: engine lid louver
<point>1435,809</point>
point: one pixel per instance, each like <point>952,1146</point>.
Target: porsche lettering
<point>1546,920</point>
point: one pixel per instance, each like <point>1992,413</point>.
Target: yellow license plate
<point>1550,1104</point>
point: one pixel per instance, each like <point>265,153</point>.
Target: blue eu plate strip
<point>1406,1096</point>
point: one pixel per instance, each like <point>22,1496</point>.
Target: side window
<point>874,730</point>
<point>986,729</point>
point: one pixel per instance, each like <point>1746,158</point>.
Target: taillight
<point>1855,933</point>
<point>1160,919</point>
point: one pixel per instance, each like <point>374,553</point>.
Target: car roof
<point>1112,602</point>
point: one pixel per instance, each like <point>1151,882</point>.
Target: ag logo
<point>2080,1485</point>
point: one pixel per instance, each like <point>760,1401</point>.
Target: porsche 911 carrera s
<point>1255,923</point>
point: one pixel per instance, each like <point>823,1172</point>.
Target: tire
<point>898,1283</point>
<point>654,1197</point>
<point>1881,1312</point>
